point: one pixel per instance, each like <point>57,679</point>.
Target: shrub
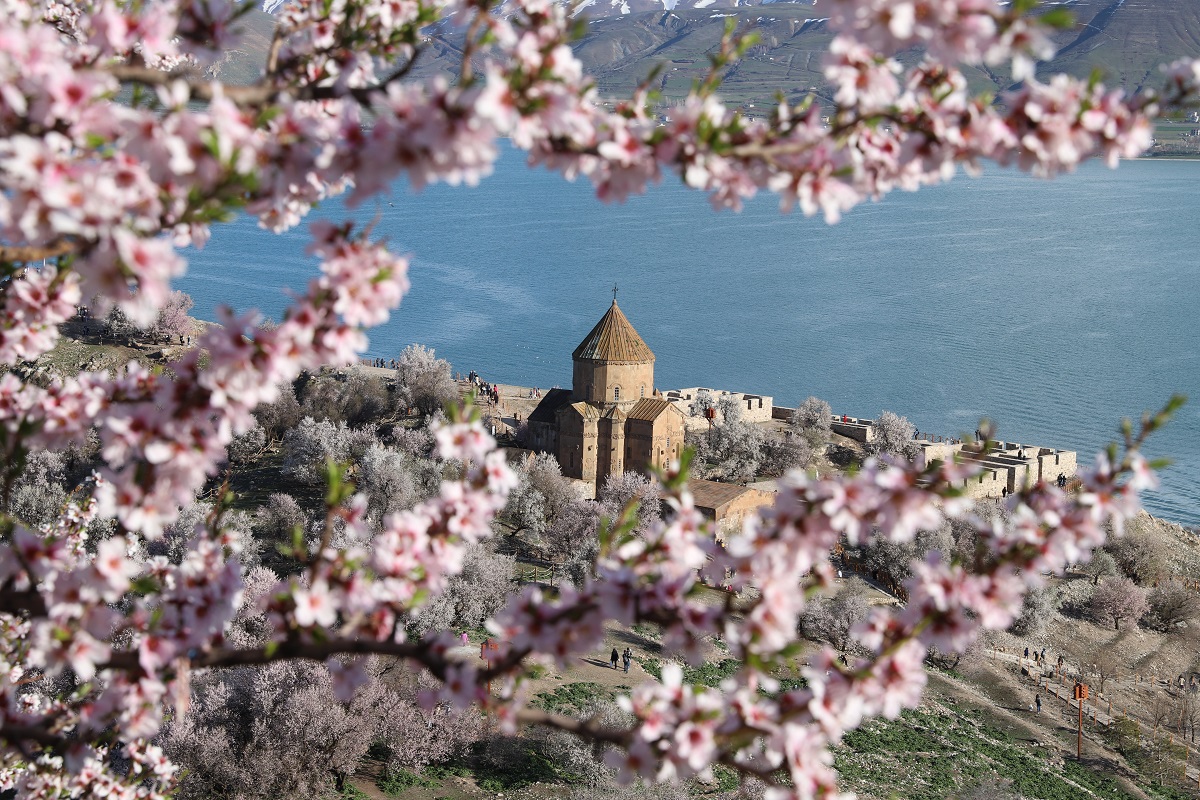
<point>542,494</point>
<point>352,397</point>
<point>308,446</point>
<point>1141,554</point>
<point>813,414</point>
<point>1116,599</point>
<point>472,596</point>
<point>276,521</point>
<point>892,435</point>
<point>1171,604</point>
<point>38,493</point>
<point>424,381</point>
<point>830,619</point>
<point>388,479</point>
<point>281,416</point>
<point>1036,613</point>
<point>781,453</point>
<point>248,446</point>
<point>173,320</point>
<point>1102,565</point>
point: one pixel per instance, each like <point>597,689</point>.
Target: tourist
<point>1027,652</point>
<point>465,639</point>
<point>614,657</point>
<point>627,659</point>
<point>1037,701</point>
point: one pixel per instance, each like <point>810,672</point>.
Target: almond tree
<point>1116,599</point>
<point>98,642</point>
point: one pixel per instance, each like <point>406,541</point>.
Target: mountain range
<point>626,39</point>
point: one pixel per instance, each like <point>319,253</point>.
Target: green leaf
<point>1057,18</point>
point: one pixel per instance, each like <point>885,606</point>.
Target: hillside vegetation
<point>977,735</point>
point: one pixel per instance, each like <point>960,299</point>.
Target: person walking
<point>627,659</point>
<point>1027,652</point>
<point>465,639</point>
<point>614,657</point>
<point>1037,701</point>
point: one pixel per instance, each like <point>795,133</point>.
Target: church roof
<point>585,410</point>
<point>552,401</point>
<point>649,409</point>
<point>613,339</point>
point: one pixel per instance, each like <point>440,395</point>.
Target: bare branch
<point>15,253</point>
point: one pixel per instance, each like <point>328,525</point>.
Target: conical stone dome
<point>614,340</point>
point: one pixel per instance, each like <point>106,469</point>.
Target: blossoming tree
<point>98,194</point>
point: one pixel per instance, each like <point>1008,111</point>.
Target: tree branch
<point>59,247</point>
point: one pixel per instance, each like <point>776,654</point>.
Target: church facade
<point>612,420</point>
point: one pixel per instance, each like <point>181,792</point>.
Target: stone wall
<point>755,407</point>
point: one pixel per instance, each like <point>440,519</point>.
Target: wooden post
<point>1081,694</point>
<point>1079,735</point>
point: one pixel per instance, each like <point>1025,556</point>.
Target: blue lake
<point>1054,308</point>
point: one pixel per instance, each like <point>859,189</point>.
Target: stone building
<point>756,408</point>
<point>612,420</point>
<point>727,504</point>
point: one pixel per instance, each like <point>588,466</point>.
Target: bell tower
<point>613,366</point>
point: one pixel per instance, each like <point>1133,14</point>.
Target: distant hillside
<point>626,39</point>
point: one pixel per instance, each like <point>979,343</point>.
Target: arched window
<point>616,394</point>
<point>643,391</point>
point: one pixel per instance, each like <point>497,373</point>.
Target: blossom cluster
<point>98,197</point>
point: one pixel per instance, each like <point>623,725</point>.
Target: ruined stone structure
<point>612,420</point>
<point>756,408</point>
<point>1007,468</point>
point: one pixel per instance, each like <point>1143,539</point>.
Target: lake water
<point>1054,308</point>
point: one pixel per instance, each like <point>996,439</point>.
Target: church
<point>612,420</point>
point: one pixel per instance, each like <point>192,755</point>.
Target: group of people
<point>626,658</point>
<point>385,363</point>
<point>535,393</point>
<point>488,391</point>
<point>1039,657</point>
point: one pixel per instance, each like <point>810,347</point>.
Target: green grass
<point>709,673</point>
<point>573,698</point>
<point>397,782</point>
<point>352,792</point>
<point>528,767</point>
<point>943,754</point>
<point>440,772</point>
